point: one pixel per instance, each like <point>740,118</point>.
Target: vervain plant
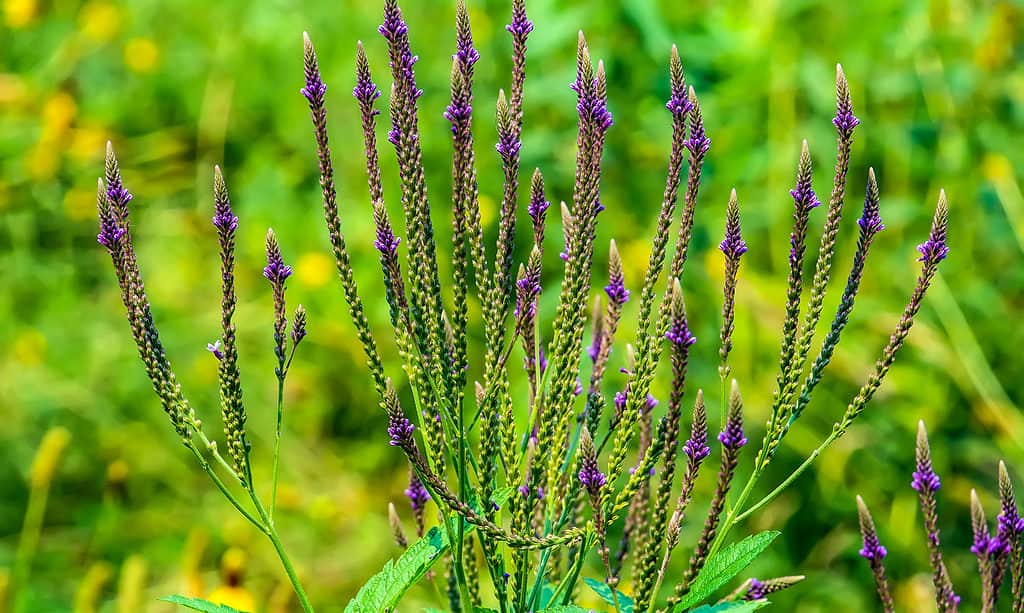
<point>999,554</point>
<point>115,234</point>
<point>526,487</point>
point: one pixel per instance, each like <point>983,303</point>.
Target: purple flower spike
<point>1010,524</point>
<point>925,480</point>
<point>590,475</point>
<point>396,32</point>
<point>756,591</point>
<point>696,450</point>
<point>538,206</point>
<point>680,335</point>
<point>299,326</point>
<point>935,249</point>
<point>465,53</point>
<point>458,112</point>
<point>224,219</point>
<point>698,143</point>
<point>276,271</point>
<point>804,198</point>
<point>696,447</point>
<point>732,437</point>
<point>845,121</point>
<point>982,542</point>
<point>872,549</point>
<point>386,242</point>
<point>520,25</point>
<point>111,231</point>
<point>365,91</point>
<point>617,291</point>
<point>870,221</point>
<point>117,193</point>
<point>678,101</point>
<point>592,104</point>
<point>616,288</point>
<point>417,494</point>
<point>315,87</point>
<point>733,245</point>
<point>508,145</point>
<point>400,430</point>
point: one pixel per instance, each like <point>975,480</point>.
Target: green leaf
<point>198,604</point>
<point>605,592</point>
<point>567,608</point>
<point>743,606</point>
<point>386,588</point>
<point>725,565</point>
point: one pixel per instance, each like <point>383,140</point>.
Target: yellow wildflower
<point>141,55</point>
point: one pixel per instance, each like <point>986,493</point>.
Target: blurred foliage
<point>179,86</point>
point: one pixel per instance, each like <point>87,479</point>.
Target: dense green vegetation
<point>179,86</point>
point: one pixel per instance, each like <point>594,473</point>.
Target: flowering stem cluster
<point>116,236</point>
<point>999,554</point>
<point>554,472</point>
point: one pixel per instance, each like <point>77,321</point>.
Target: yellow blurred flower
<point>231,592</point>
<point>19,13</point>
<point>12,88</point>
<point>99,21</point>
<point>488,210</point>
<point>237,598</point>
<point>314,269</point>
<point>58,113</point>
<point>87,143</point>
<point>80,204</point>
<point>714,264</point>
<point>51,448</point>
<point>42,161</point>
<point>30,348</point>
<point>996,167</point>
<point>635,255</point>
<point>141,55</point>
<point>234,597</point>
<point>323,509</point>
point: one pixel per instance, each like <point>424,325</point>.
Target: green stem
<point>460,575</point>
<point>300,593</point>
<point>790,479</point>
<point>235,502</point>
<point>731,516</point>
<point>277,448</point>
<point>569,581</point>
<point>286,562</point>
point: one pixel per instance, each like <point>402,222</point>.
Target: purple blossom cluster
<point>400,430</point>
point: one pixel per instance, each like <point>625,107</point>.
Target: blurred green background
<point>179,86</point>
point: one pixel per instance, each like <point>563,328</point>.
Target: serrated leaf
<point>198,604</point>
<point>605,592</point>
<point>725,565</point>
<point>386,588</point>
<point>743,606</point>
<point>567,608</point>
